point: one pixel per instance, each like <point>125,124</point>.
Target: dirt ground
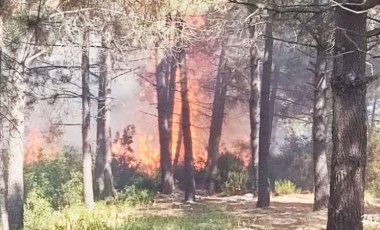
<point>285,212</point>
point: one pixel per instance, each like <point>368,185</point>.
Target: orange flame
<point>37,148</point>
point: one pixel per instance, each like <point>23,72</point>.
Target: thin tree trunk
<point>265,121</point>
<point>373,115</point>
<point>103,171</point>
<point>186,127</point>
<point>108,176</point>
<point>87,158</point>
<point>321,174</point>
<point>100,138</point>
<point>179,143</point>
<point>217,120</point>
<point>349,128</point>
<point>254,109</point>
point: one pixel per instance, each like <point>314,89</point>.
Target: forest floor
<point>285,212</point>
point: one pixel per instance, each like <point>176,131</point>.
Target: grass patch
<point>286,187</point>
<point>123,217</point>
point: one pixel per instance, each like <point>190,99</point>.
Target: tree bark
<point>164,120</point>
<point>103,170</point>
<point>254,109</point>
<point>349,128</point>
<point>179,143</point>
<point>263,200</point>
<point>319,133</point>
<point>373,114</point>
<point>3,187</point>
<point>87,158</point>
<point>217,116</point>
<point>186,127</point>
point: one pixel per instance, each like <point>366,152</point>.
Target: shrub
<point>373,172</point>
<point>58,180</point>
<point>284,187</point>
<point>236,183</point>
<point>38,211</point>
<point>125,176</point>
<point>135,196</point>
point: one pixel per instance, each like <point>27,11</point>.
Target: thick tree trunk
<point>319,133</point>
<point>265,121</point>
<point>254,109</point>
<point>87,158</point>
<point>103,171</point>
<point>164,120</point>
<point>217,116</point>
<point>349,128</point>
<point>186,127</point>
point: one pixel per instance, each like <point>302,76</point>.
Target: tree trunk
<point>87,158</point>
<point>179,143</point>
<point>15,199</point>
<point>349,128</point>
<point>100,138</point>
<point>321,174</point>
<point>103,171</point>
<point>373,115</point>
<point>254,109</point>
<point>3,187</point>
<point>265,121</point>
<point>186,127</point>
<point>217,121</point>
<point>164,120</point>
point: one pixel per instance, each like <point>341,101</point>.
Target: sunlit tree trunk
<point>254,108</point>
<point>217,120</point>
<point>86,150</point>
<point>265,121</point>
<point>186,127</point>
<point>3,187</point>
<point>320,122</point>
<point>103,171</point>
<point>349,127</point>
<point>321,174</point>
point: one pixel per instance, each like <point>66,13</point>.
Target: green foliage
<point>232,178</point>
<point>285,187</point>
<point>122,217</point>
<point>133,195</point>
<point>38,211</point>
<point>373,172</point>
<point>236,183</point>
<point>58,180</point>
<point>125,176</point>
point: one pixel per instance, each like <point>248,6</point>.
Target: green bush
<point>236,183</point>
<point>373,172</point>
<point>38,211</point>
<point>58,180</point>
<point>125,176</point>
<point>284,187</point>
<point>134,196</point>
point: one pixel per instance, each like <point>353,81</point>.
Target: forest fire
<point>38,147</point>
